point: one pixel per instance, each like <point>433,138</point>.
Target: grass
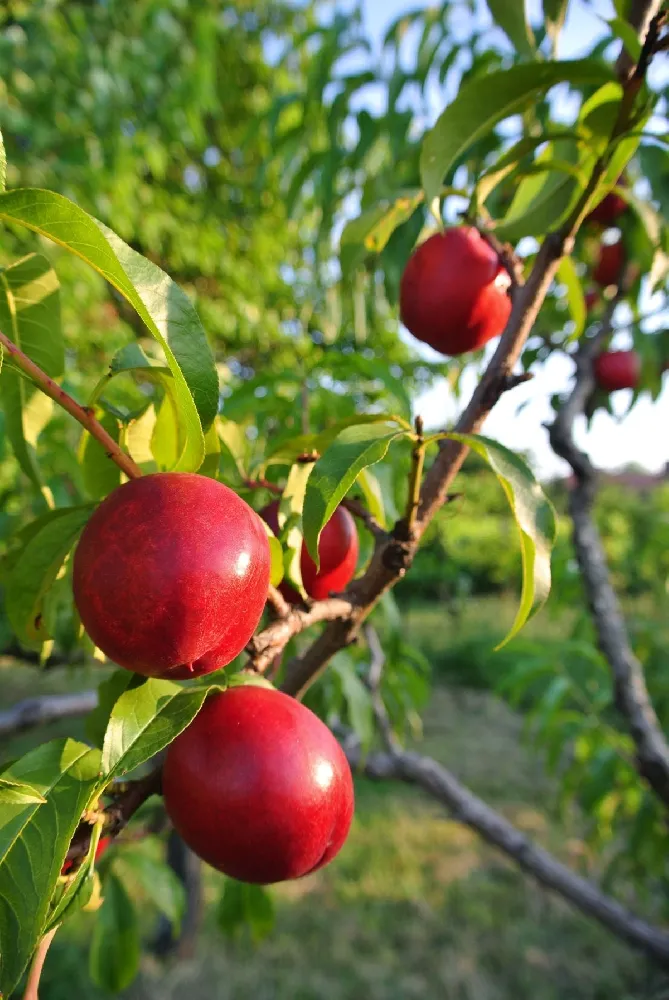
<point>415,906</point>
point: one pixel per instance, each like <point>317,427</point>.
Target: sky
<point>611,441</point>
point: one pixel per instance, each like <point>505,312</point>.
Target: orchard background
<point>206,213</point>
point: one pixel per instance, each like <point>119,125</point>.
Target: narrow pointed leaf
<point>144,720</point>
<point>512,19</point>
<point>486,100</point>
<point>115,945</point>
<point>35,568</point>
<point>354,449</point>
<point>30,317</point>
<point>162,305</point>
<point>534,516</point>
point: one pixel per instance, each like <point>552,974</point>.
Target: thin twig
<point>358,509</point>
<point>264,646</point>
<point>279,603</point>
<point>263,484</point>
<point>84,415</point>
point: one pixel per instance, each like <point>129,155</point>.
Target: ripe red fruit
<point>609,209</point>
<point>337,551</point>
<point>617,370</point>
<point>171,575</point>
<point>258,786</point>
<point>453,292</point>
<point>609,264</point>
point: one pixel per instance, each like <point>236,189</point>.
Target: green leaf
<point>354,449</point>
<point>512,19</point>
<point>115,945</point>
<point>290,522</point>
<point>18,793</point>
<point>100,474</point>
<point>212,453</point>
<point>276,556</point>
<point>485,100</point>
<point>236,443</point>
<point>245,906</point>
<point>36,567</point>
<point>543,200</point>
<point>534,516</point>
<point>30,317</point>
<point>570,279</point>
<point>109,691</point>
<point>357,698</point>
<point>373,494</point>
<point>3,164</point>
<point>555,12</point>
<point>144,720</point>
<point>627,35</point>
<point>509,160</point>
<point>156,879</point>
<point>162,305</point>
<point>165,436</point>
<point>370,231</point>
<point>287,452</point>
<point>34,839</point>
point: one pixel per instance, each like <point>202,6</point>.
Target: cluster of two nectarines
<point>170,579</point>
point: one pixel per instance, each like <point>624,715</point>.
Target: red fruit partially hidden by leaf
<point>337,551</point>
<point>608,269</point>
<point>453,293</point>
<point>171,575</point>
<point>610,208</point>
<point>259,787</point>
<point>617,370</point>
<point>103,844</point>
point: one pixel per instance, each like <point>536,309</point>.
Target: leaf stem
<point>32,986</point>
<point>84,414</point>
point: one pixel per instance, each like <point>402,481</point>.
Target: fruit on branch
<point>171,575</point>
<point>615,370</point>
<point>453,292</point>
<point>337,551</point>
<point>608,270</point>
<point>258,786</point>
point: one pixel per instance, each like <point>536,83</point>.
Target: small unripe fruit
<point>337,551</point>
<point>608,270</point>
<point>453,293</point>
<point>615,370</point>
<point>171,575</point>
<point>259,787</point>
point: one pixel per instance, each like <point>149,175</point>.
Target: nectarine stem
<point>84,415</point>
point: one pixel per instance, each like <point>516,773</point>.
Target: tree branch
<point>631,694</point>
<point>467,808</point>
<point>267,644</point>
<point>392,557</point>
<point>47,708</point>
<point>83,414</point>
